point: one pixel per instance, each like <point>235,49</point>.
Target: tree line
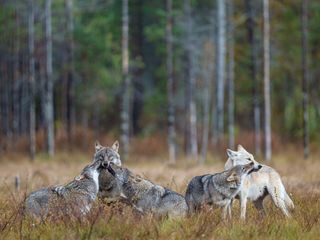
<point>204,70</point>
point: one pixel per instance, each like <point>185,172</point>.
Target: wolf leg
<point>229,210</point>
<point>191,207</point>
<point>225,211</point>
<point>243,205</point>
<point>259,206</point>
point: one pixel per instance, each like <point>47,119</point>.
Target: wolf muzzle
<point>255,169</point>
<point>110,169</point>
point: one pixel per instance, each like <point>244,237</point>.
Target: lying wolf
<point>218,189</point>
<point>259,184</point>
<point>147,197</point>
<point>73,198</point>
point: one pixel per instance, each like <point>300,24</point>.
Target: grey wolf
<point>74,198</point>
<point>147,197</point>
<point>108,185</point>
<point>259,184</point>
<point>217,189</point>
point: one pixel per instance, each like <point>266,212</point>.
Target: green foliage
<point>97,37</point>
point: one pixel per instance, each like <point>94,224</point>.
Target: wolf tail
<point>288,201</point>
<point>279,195</point>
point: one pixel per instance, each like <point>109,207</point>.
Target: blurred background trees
<point>134,68</point>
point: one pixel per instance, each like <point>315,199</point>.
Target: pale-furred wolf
<point>217,189</point>
<point>259,184</point>
<point>147,197</point>
<point>74,198</point>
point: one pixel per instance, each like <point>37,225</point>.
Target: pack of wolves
<point>243,178</point>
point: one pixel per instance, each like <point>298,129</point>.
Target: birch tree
<point>191,82</point>
<point>266,78</point>
<point>49,116</point>
<point>220,68</point>
<point>32,117</point>
<point>230,73</point>
<point>125,111</point>
<point>207,75</point>
<point>251,26</point>
<point>170,81</point>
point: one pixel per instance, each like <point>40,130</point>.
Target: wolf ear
<point>97,146</point>
<point>115,146</point>
<point>231,153</point>
<point>242,149</point>
<point>232,177</point>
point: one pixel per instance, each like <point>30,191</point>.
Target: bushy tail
<point>279,195</point>
<point>288,201</point>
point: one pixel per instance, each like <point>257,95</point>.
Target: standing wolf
<point>147,197</point>
<point>218,189</point>
<point>259,184</point>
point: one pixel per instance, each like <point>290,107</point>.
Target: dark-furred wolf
<point>217,189</point>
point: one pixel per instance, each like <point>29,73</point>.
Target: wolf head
<point>107,154</point>
<point>240,157</point>
<point>91,171</point>
<point>238,172</point>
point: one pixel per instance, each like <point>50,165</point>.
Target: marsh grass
<point>119,221</point>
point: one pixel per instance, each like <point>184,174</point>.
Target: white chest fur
<point>95,177</point>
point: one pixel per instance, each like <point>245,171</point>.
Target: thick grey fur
<point>76,197</point>
<point>215,189</point>
<point>148,197</point>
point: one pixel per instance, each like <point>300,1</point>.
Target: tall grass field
<point>118,221</point>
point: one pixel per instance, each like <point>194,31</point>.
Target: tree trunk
<point>220,69</point>
<point>126,96</point>
<point>266,78</point>
<point>16,78</point>
<point>305,77</point>
<point>70,113</point>
<point>191,83</point>
<point>170,90</point>
<point>207,75</point>
<point>32,115</point>
<point>251,25</point>
<point>230,73</point>
<point>5,101</point>
<point>49,115</point>
<point>137,72</point>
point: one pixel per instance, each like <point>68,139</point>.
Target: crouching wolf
<point>218,189</point>
<point>259,184</point>
<point>74,198</point>
<point>147,197</point>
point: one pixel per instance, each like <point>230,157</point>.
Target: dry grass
<point>116,221</point>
